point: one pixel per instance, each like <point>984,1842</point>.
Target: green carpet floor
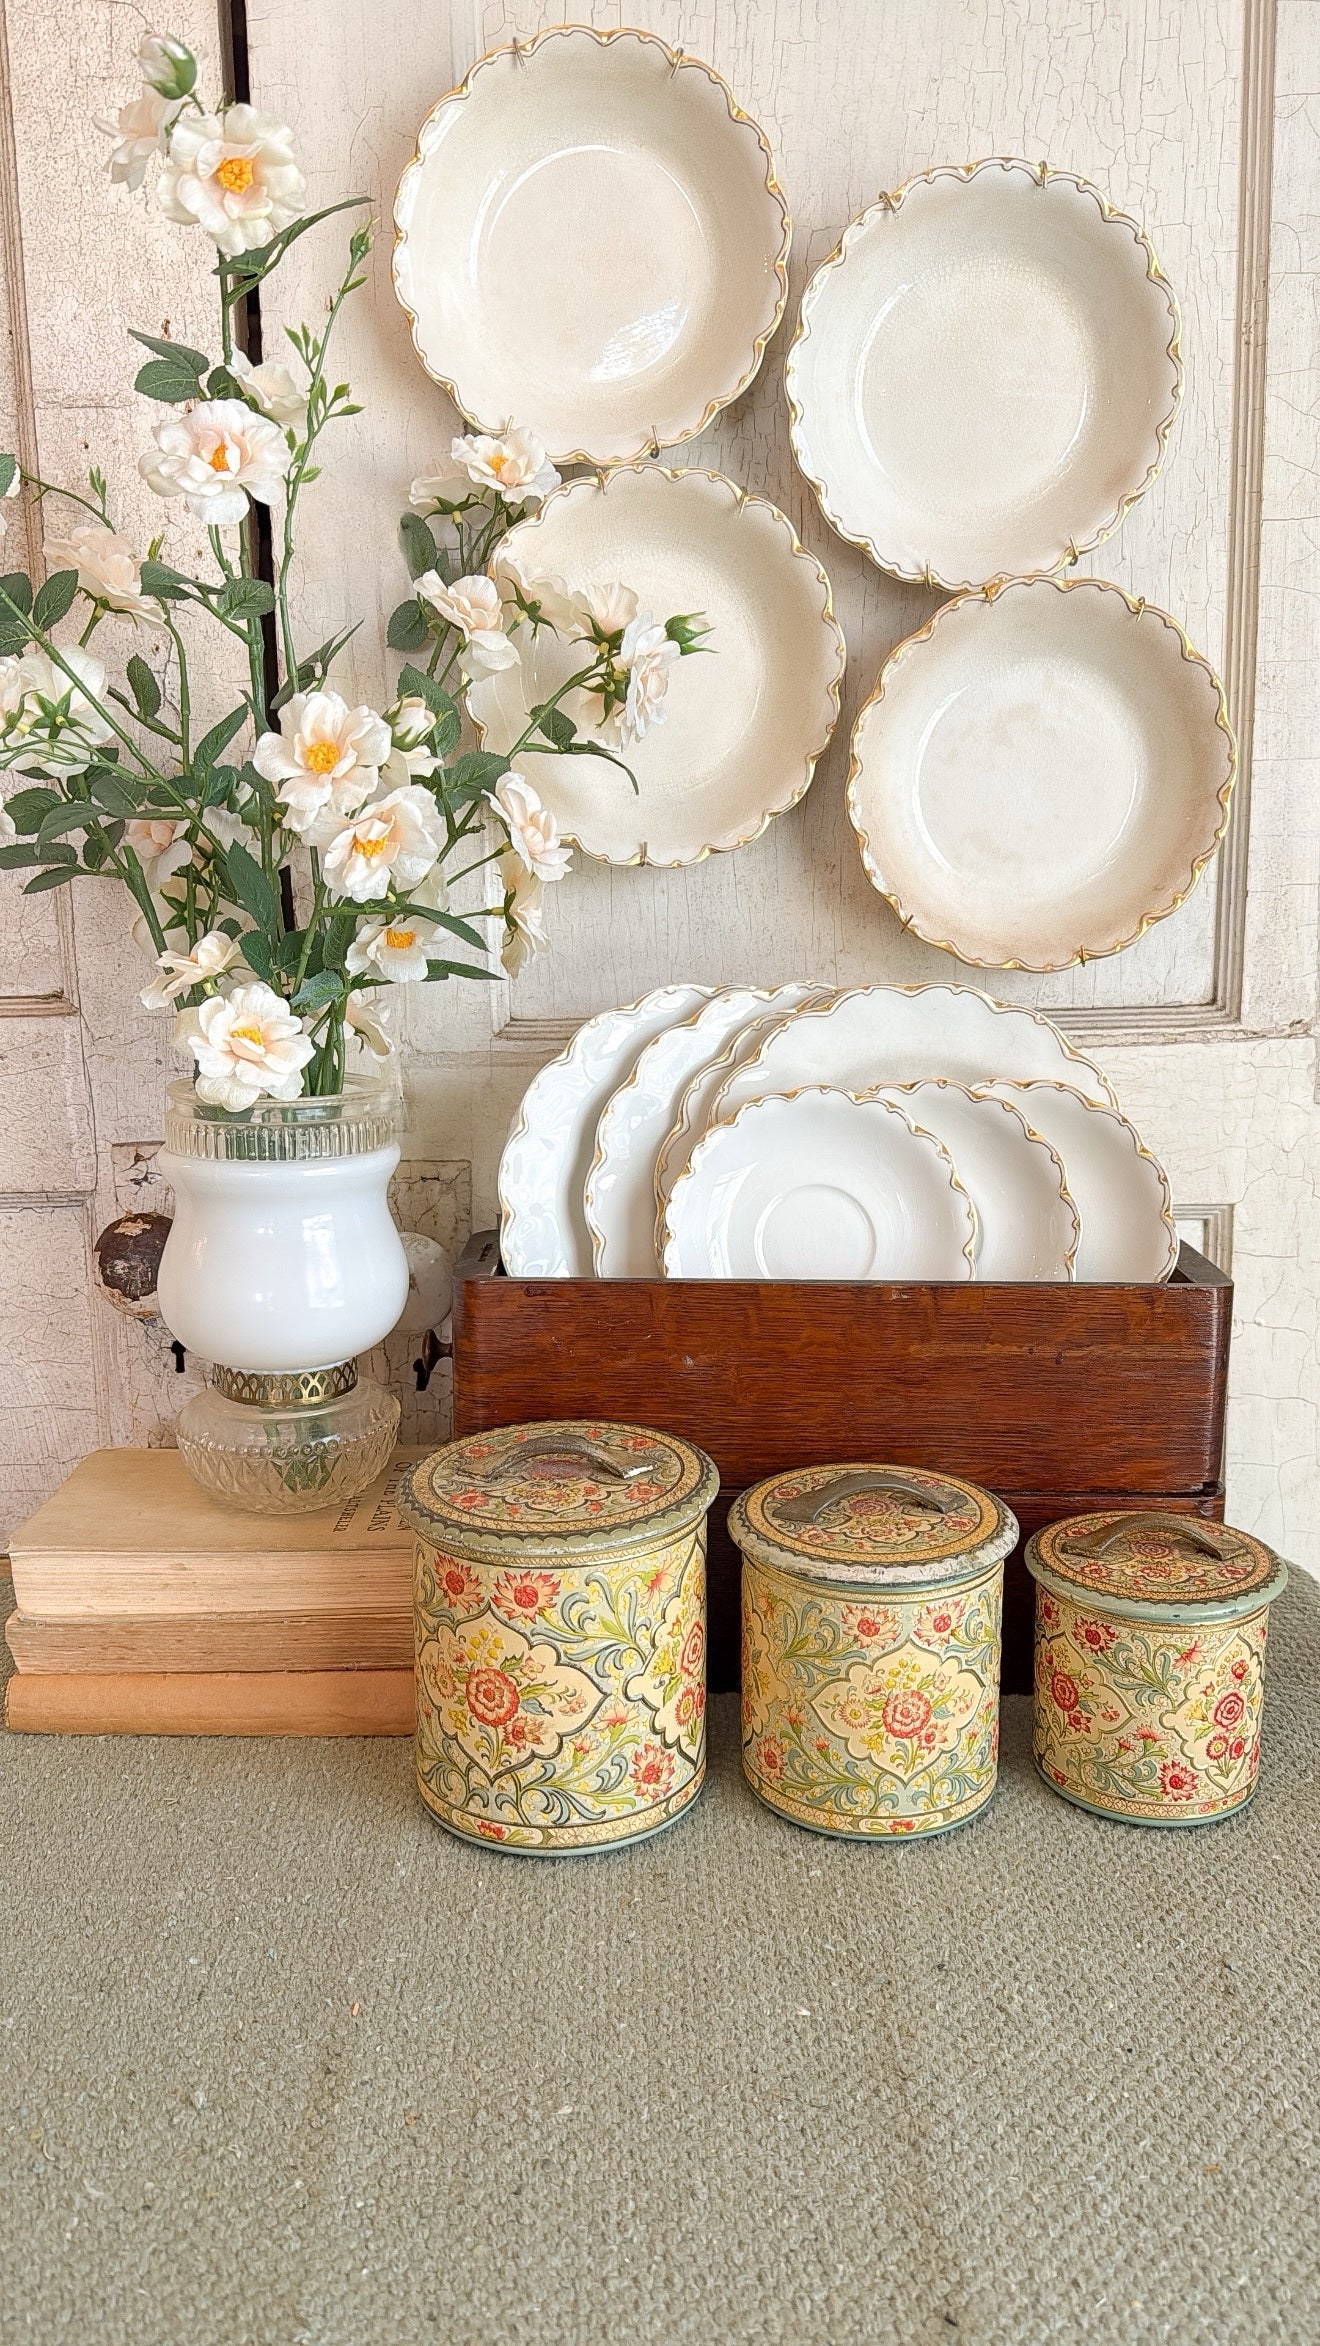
<point>283,2065</point>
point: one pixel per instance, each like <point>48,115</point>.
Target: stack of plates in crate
<point>885,1132</point>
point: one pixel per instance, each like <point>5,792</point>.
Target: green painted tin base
<point>1116,1816</point>
<point>883,1833</point>
<point>565,1848</point>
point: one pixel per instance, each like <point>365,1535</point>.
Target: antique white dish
<point>693,1110</point>
<point>985,373</point>
<point>1027,1226</point>
<point>548,1152</point>
<point>1041,773</point>
<point>819,1185</point>
<point>903,1034</point>
<point>591,241</point>
<point>1122,1194</point>
<point>744,722</point>
<point>619,1197</point>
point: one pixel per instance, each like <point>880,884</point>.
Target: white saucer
<point>693,1111</point>
<point>619,1196</point>
<point>1026,1223</point>
<point>985,373</point>
<point>591,242</point>
<point>1041,773</point>
<point>744,720</point>
<point>543,1234</point>
<point>1122,1194</point>
<point>819,1186</point>
<point>903,1034</point>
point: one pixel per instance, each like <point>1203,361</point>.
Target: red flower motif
<point>906,1714</point>
<point>941,1623</point>
<point>458,1583</point>
<point>1238,1671</point>
<point>1228,1710</point>
<point>492,1832</point>
<point>1177,1782</point>
<point>771,1755</point>
<point>904,1825</point>
<point>690,1705</point>
<point>1065,1690</point>
<point>1097,1634</point>
<point>1077,1722</point>
<point>652,1769</point>
<point>522,1595</point>
<point>1236,1748</point>
<point>1217,1747</point>
<point>694,1651</point>
<point>1049,1611</point>
<point>492,1696</point>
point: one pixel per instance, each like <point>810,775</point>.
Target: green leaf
<point>95,851</point>
<point>444,969</point>
<point>244,598</point>
<point>209,747</point>
<point>15,858</point>
<point>13,638</point>
<point>67,818</point>
<point>183,351</point>
<point>8,468</point>
<point>475,771</point>
<point>245,270</point>
<point>163,584</point>
<point>556,727</point>
<point>29,808</point>
<point>108,791</point>
<point>337,936</point>
<point>221,384</point>
<point>419,547</point>
<point>416,680</point>
<point>17,586</point>
<point>315,992</point>
<point>407,630</point>
<point>166,380</point>
<point>145,689</point>
<point>256,953</point>
<point>249,886</point>
<point>52,879</point>
<point>54,598</point>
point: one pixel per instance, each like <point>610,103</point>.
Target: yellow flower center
<point>322,757</point>
<point>235,174</point>
<point>248,1034</point>
<point>219,457</point>
<point>504,466</point>
<point>364,846</point>
<point>399,940</point>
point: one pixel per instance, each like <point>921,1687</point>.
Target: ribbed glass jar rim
<point>364,1116</point>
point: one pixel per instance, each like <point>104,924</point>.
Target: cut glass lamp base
<point>284,1445</point>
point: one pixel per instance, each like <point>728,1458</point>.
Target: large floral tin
<point>871,1606</point>
<point>1150,1654</point>
<point>560,1606</point>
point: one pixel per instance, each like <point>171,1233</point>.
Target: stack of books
<point>145,1607</point>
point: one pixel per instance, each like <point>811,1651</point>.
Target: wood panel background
<point>1191,113</point>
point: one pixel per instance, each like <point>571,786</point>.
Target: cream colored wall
<point>1174,106</point>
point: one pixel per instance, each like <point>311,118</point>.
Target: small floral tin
<point>560,1605</point>
<point>1150,1654</point>
<point>871,1608</point>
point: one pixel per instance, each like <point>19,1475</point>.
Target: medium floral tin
<point>1150,1654</point>
<point>871,1605</point>
<point>560,1605</point>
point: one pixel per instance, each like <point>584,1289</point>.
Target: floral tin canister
<point>560,1604</point>
<point>1150,1655</point>
<point>871,1611</point>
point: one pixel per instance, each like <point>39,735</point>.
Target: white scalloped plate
<point>619,1197</point>
<point>693,1110</point>
<point>902,1034</point>
<point>1122,1193</point>
<point>985,373</point>
<point>591,242</point>
<point>1041,773</point>
<point>744,722</point>
<point>819,1185</point>
<point>1027,1225</point>
<point>548,1152</point>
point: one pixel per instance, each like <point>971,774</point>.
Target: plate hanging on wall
<point>744,721</point>
<point>1041,773</point>
<point>984,375</point>
<point>591,242</point>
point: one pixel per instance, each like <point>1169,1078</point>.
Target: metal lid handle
<point>1103,1543</point>
<point>570,1450</point>
<point>809,1506</point>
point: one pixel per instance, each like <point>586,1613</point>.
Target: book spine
<point>258,1641</point>
<point>249,1702</point>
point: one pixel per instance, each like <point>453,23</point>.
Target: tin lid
<point>565,1487</point>
<point>1179,1566</point>
<point>883,1525</point>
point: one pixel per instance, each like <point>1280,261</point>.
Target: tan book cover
<point>130,1533</point>
<point>212,1641</point>
<point>249,1702</point>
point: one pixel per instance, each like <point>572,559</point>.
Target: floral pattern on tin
<point>563,1709</point>
<point>1149,1563</point>
<point>1148,1720</point>
<point>864,1717</point>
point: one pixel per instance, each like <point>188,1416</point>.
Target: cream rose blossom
<point>139,132</point>
<point>108,569</point>
<point>393,842</point>
<point>648,654</point>
<point>271,387</point>
<point>366,1014</point>
<point>216,457</point>
<point>246,1043</point>
<point>392,945</point>
<point>524,913</point>
<point>605,609</point>
<point>533,832</point>
<point>324,761</point>
<point>8,828</point>
<point>515,463</point>
<point>234,175</point>
<point>49,714</point>
<point>210,958</point>
<point>474,606</point>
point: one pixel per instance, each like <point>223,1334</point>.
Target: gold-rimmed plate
<point>1041,773</point>
<point>591,242</point>
<point>1121,1191</point>
<point>744,720</point>
<point>985,373</point>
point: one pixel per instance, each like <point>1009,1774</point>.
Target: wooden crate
<point>1059,1398</point>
